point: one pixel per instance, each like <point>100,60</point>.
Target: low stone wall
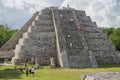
<point>102,76</point>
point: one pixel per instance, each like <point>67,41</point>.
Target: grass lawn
<point>53,74</point>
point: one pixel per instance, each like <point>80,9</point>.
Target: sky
<point>15,13</point>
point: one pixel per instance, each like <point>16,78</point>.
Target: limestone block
<point>96,36</point>
<point>74,46</point>
<point>17,61</point>
<point>45,49</point>
<point>46,11</point>
<point>102,76</point>
<point>25,35</point>
<point>43,29</point>
<point>46,17</point>
<point>37,17</point>
<point>93,59</point>
<point>86,19</point>
<point>94,47</point>
<point>97,41</point>
<point>92,30</point>
<point>17,48</point>
<point>19,55</point>
<point>89,24</point>
<point>21,41</point>
<point>43,22</point>
<point>79,61</point>
<point>80,13</point>
<point>29,29</point>
<point>52,63</point>
<point>39,42</point>
<point>42,34</point>
<point>32,60</point>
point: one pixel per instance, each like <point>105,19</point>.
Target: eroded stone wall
<point>39,41</point>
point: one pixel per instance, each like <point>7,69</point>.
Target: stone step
<point>80,13</point>
<point>86,19</point>
<point>30,42</point>
<point>72,46</point>
<point>104,53</point>
<point>97,41</point>
<point>99,44</point>
<point>41,35</point>
<point>21,41</point>
<point>77,52</point>
<point>73,33</point>
<point>42,29</point>
<point>88,24</point>
<point>92,30</point>
<point>96,36</point>
<point>45,17</point>
<point>43,22</point>
<point>30,29</point>
<point>35,49</point>
<point>39,46</point>
<point>25,35</point>
<point>46,11</point>
<point>105,47</point>
<point>81,61</point>
<point>19,55</point>
<point>100,47</point>
<point>17,48</point>
<point>39,49</point>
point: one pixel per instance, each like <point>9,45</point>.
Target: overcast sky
<point>15,13</point>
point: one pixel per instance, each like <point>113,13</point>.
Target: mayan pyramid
<point>67,35</point>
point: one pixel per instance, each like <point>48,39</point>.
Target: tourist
<point>27,72</point>
<point>32,71</point>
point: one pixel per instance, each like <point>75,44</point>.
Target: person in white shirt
<point>32,71</point>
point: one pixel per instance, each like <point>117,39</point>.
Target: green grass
<point>53,74</point>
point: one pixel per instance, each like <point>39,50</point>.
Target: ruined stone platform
<point>102,76</point>
<point>67,35</point>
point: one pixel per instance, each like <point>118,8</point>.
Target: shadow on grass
<point>109,65</point>
<point>10,74</point>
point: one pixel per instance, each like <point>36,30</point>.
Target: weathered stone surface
<point>68,36</point>
<point>93,59</point>
<point>102,76</point>
<point>52,63</point>
<point>39,41</point>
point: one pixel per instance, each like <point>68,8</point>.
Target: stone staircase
<point>75,48</point>
<point>73,43</point>
<point>39,41</point>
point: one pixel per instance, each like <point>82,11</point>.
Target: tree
<point>114,36</point>
<point>5,34</point>
<point>115,40</point>
<point>108,31</point>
